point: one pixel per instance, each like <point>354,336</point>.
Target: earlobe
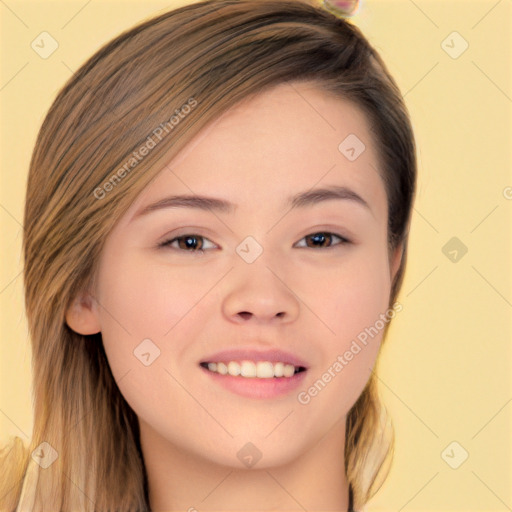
<point>82,315</point>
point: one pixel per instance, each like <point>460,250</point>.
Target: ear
<point>82,315</point>
<point>396,259</point>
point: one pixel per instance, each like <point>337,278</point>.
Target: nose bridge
<point>258,286</point>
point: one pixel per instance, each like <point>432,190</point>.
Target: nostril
<point>245,314</point>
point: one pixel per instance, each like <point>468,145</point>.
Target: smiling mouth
<point>253,370</point>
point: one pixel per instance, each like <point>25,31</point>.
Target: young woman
<point>216,227</point>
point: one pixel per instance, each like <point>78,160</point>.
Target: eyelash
<point>167,243</point>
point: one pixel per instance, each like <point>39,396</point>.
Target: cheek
<point>146,298</point>
<point>352,309</point>
<point>362,296</point>
<point>140,301</point>
<point>352,296</point>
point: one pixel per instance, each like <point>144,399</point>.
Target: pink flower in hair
<point>341,7</point>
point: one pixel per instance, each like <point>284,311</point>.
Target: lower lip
<point>253,387</point>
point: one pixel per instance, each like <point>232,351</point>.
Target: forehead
<point>287,139</point>
<point>288,121</point>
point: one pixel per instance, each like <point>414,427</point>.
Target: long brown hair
<point>209,55</point>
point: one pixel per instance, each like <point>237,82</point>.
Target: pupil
<point>319,237</point>
<point>190,242</point>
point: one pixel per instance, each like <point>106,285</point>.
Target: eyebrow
<point>300,200</point>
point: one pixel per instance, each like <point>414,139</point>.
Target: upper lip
<point>247,354</point>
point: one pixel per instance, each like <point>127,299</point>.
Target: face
<point>178,283</point>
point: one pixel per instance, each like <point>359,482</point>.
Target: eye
<point>322,238</point>
<point>187,243</point>
<point>196,243</point>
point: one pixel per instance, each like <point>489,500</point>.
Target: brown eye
<point>323,240</point>
<point>320,239</point>
<point>188,243</point>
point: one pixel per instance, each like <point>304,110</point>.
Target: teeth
<point>288,370</point>
<point>249,369</point>
<point>233,368</point>
<point>278,369</point>
<point>265,370</point>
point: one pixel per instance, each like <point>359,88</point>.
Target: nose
<point>259,294</point>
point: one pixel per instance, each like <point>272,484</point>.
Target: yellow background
<point>446,367</point>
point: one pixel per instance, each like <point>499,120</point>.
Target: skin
<point>279,143</point>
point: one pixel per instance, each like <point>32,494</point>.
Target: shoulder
<point>19,477</point>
